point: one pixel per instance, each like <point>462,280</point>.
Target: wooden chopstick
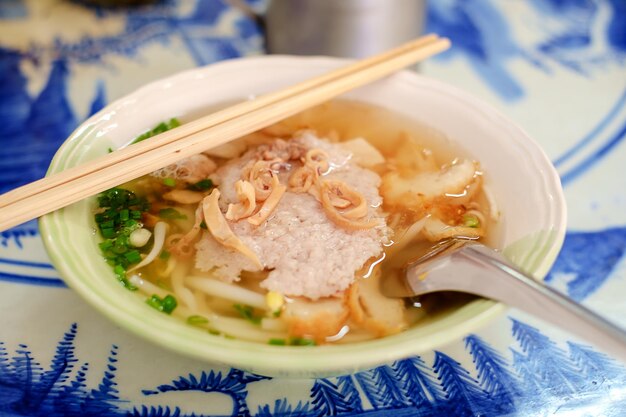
<point>202,124</point>
<point>74,184</point>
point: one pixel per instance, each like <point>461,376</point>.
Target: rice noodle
<point>147,286</point>
<point>183,248</point>
<point>231,326</point>
<point>160,230</point>
<point>242,329</point>
<point>231,292</point>
<point>494,212</point>
<point>409,235</point>
<point>435,230</point>
<point>171,264</point>
<point>184,294</point>
<point>201,302</point>
<point>273,324</point>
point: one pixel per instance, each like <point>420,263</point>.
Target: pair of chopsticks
<point>76,183</point>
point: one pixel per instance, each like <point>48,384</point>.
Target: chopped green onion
<point>160,128</point>
<point>169,304</point>
<point>214,332</point>
<point>170,182</point>
<point>202,185</point>
<point>165,255</point>
<point>130,287</point>
<point>105,245</point>
<point>133,256</point>
<point>292,341</point>
<point>122,208</point>
<point>131,223</point>
<point>120,272</point>
<point>119,249</point>
<point>299,341</point>
<point>196,320</point>
<point>155,302</point>
<point>470,220</point>
<point>247,313</point>
<point>203,225</point>
<point>123,240</point>
<point>107,224</point>
<point>165,305</point>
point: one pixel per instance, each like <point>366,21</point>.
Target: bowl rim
<point>281,360</point>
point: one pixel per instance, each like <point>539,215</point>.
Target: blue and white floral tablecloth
<point>557,67</point>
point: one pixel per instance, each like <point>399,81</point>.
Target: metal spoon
<point>467,266</point>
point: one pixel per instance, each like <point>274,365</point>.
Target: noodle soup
<point>286,235</point>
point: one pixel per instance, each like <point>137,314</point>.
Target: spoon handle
<point>488,274</point>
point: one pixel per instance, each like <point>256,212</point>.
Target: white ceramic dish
<point>518,173</point>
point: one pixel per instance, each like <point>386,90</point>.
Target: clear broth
<point>343,120</point>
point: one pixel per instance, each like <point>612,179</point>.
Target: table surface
<point>557,67</point>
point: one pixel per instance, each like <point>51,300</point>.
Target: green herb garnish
<point>197,320</point>
<point>171,214</point>
<point>170,182</point>
<point>470,220</point>
<point>133,256</point>
<point>119,215</point>
<point>202,185</point>
<point>165,305</point>
<point>116,221</point>
<point>292,341</point>
<point>120,273</point>
<point>247,313</point>
<point>300,341</point>
<point>160,128</point>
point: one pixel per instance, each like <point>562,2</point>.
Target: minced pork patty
<point>306,253</point>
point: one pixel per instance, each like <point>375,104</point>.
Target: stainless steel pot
<point>344,28</point>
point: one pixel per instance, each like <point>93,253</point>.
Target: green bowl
<point>517,171</point>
